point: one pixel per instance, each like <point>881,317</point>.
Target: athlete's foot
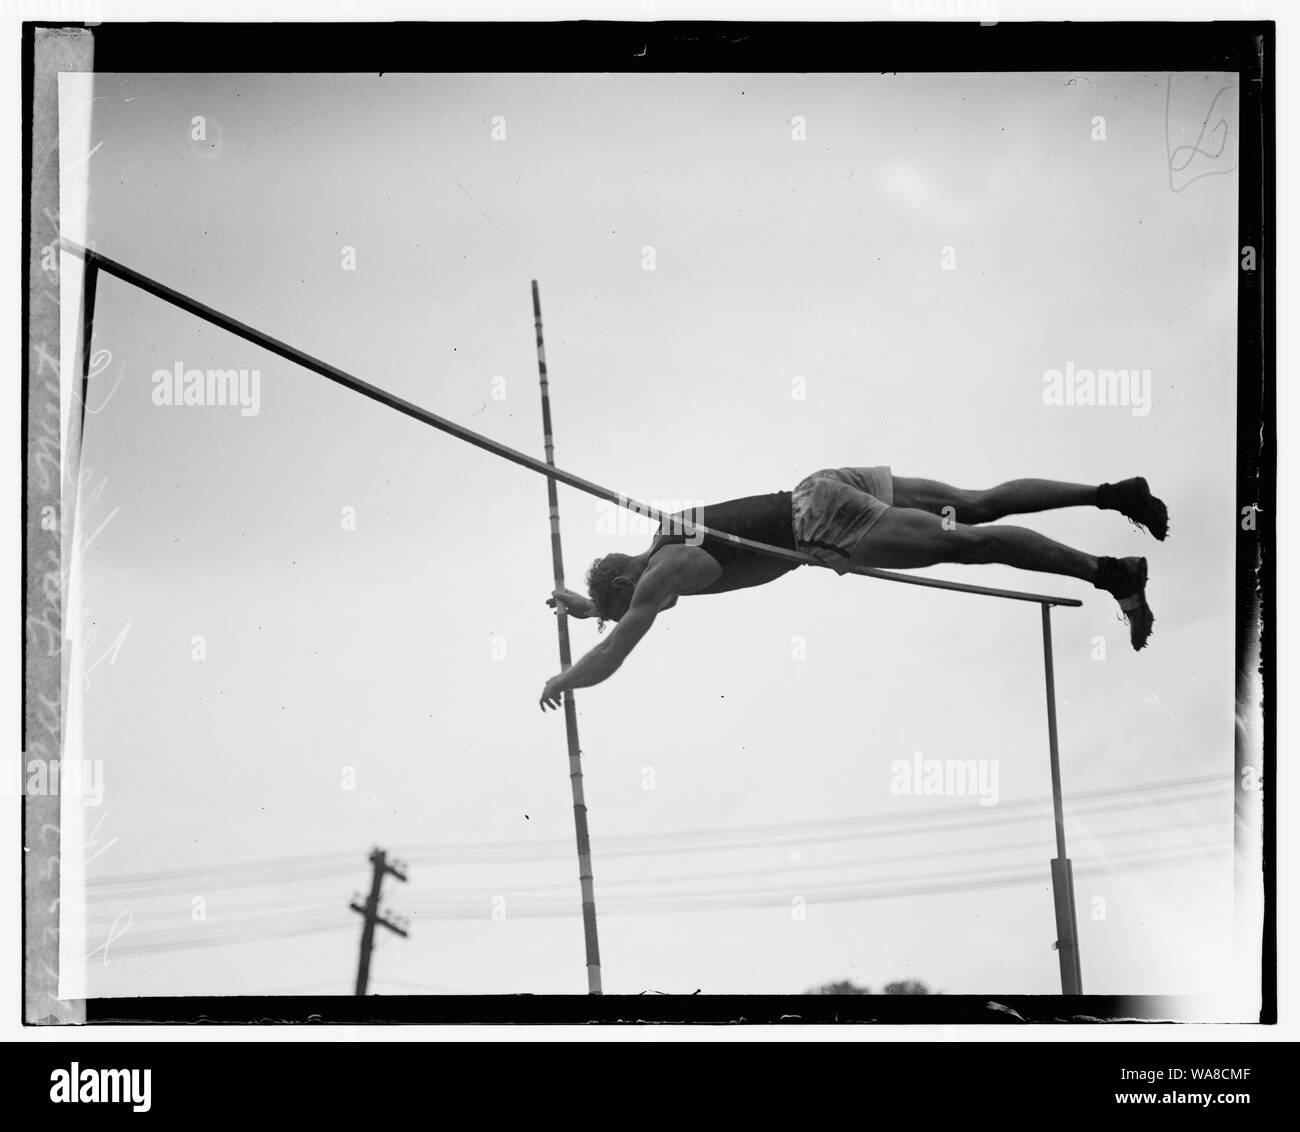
<point>1133,499</point>
<point>1125,579</point>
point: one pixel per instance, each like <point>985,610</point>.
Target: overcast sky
<point>738,768</point>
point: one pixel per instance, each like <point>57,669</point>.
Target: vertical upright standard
<point>570,709</point>
<point>1067,930</point>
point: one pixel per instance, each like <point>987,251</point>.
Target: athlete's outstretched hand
<point>553,692</point>
<point>575,605</point>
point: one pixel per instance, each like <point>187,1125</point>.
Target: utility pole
<point>370,911</point>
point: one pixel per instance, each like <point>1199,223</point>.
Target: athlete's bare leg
<point>907,538</point>
<point>1131,498</point>
<point>1016,497</point>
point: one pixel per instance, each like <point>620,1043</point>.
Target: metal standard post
<point>1067,932</point>
<point>585,878</point>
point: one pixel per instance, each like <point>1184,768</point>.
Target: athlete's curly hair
<point>600,586</point>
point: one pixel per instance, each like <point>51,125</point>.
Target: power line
<point>933,820</point>
<point>346,859</point>
<point>270,929</point>
<point>512,891</point>
<point>215,913</point>
<point>805,867</point>
<point>727,900</point>
<point>963,819</point>
<point>117,889</point>
<point>965,811</point>
<point>432,899</point>
<point>183,940</point>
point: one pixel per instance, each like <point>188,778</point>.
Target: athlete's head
<point>610,583</point>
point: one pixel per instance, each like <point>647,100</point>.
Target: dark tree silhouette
<point>907,986</point>
<point>847,986</point>
<point>844,986</point>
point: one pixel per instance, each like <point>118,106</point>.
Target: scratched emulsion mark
<point>51,627</point>
<point>95,846</point>
<point>120,926</point>
<point>1201,136</point>
<point>55,51</point>
<point>43,615</point>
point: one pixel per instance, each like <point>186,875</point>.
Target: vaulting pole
<point>585,878</point>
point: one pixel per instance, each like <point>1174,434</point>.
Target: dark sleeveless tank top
<point>761,518</point>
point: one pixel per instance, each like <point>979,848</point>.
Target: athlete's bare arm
<point>574,604</point>
<point>674,572</point>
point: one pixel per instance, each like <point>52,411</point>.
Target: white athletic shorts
<point>834,510</point>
